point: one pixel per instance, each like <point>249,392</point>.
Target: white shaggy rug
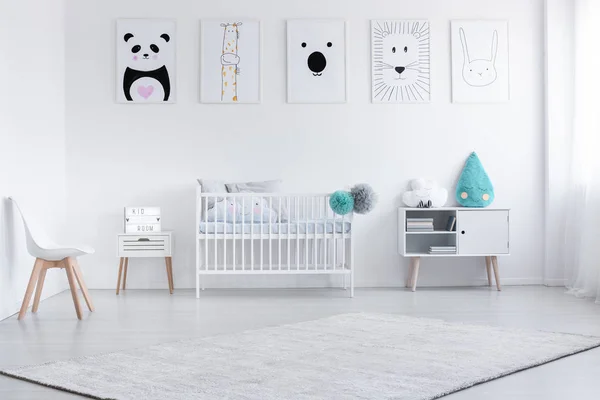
<point>350,356</point>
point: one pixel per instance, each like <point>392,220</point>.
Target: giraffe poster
<point>231,61</point>
<point>316,61</point>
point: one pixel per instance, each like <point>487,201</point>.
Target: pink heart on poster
<point>145,91</point>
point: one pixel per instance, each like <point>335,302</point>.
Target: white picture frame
<point>230,61</point>
<point>317,61</point>
<point>400,61</point>
<point>146,61</point>
<point>480,61</point>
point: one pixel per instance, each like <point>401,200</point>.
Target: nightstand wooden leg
<point>122,260</point>
<point>416,264</point>
<point>167,264</point>
<point>496,272</point>
<point>488,267</point>
<point>171,274</point>
<point>125,272</point>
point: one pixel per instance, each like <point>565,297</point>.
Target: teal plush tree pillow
<point>474,188</point>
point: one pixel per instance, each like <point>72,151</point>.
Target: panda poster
<point>316,61</point>
<point>230,61</point>
<point>146,61</point>
<point>480,69</point>
<point>400,61</point>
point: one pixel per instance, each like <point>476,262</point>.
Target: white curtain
<point>582,225</point>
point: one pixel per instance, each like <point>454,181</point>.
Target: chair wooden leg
<point>488,267</point>
<point>39,287</point>
<point>125,272</point>
<point>81,282</point>
<point>73,287</point>
<point>37,267</point>
<point>168,274</point>
<point>417,262</point>
<point>121,261</point>
<point>496,272</point>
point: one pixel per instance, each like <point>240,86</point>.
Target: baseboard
<point>555,282</point>
<point>517,281</point>
<point>17,306</point>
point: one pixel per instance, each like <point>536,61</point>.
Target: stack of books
<point>419,225</point>
<point>142,219</point>
<point>442,249</point>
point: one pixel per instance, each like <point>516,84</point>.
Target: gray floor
<point>137,318</point>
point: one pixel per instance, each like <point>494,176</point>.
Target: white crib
<point>307,237</point>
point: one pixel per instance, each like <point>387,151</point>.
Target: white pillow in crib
<point>257,211</point>
<point>212,186</point>
<point>224,212</point>
<point>274,186</point>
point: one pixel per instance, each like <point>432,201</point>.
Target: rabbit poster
<point>480,71</point>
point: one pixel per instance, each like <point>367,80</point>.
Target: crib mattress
<point>301,227</point>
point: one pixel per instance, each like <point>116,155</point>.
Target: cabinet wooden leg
<point>415,273</point>
<point>121,261</point>
<point>410,274</point>
<point>496,272</point>
<point>488,267</point>
<point>125,272</point>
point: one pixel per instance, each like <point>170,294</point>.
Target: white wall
<point>560,54</point>
<point>32,136</point>
<point>120,155</point>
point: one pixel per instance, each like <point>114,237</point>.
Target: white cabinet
<point>483,232</point>
<point>479,232</point>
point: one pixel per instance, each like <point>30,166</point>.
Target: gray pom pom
<point>365,198</point>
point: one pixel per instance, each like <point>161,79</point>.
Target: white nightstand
<point>147,244</point>
<point>480,232</point>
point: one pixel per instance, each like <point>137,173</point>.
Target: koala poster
<point>146,61</point>
<point>316,61</point>
<point>400,61</point>
<point>480,72</point>
<point>231,61</point>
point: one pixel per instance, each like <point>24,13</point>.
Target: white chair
<point>50,255</point>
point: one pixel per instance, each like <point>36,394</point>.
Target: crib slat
<point>289,218</point>
<point>297,201</point>
<point>325,223</point>
<point>243,232</point>
<point>314,217</point>
<point>279,230</point>
<point>206,233</point>
<point>225,231</point>
<point>215,232</point>
<point>261,233</point>
<point>252,233</point>
<point>306,233</point>
<point>334,248</point>
<point>234,223</point>
<point>344,247</point>
<point>270,233</point>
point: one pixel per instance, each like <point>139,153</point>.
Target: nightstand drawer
<point>145,245</point>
